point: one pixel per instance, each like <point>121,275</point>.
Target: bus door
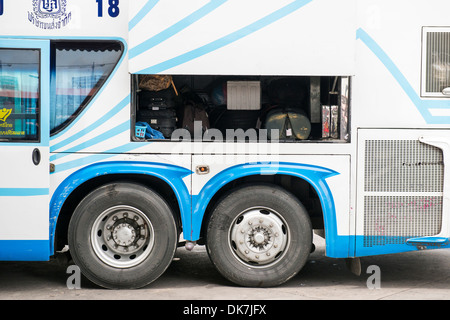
<point>24,149</point>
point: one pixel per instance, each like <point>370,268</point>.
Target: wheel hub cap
<point>258,236</point>
<point>122,236</point>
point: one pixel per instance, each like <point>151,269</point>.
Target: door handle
<point>36,156</point>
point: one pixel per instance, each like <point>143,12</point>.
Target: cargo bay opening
<point>240,108</point>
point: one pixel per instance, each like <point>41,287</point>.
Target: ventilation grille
<point>393,219</point>
<point>437,61</point>
<point>402,166</point>
<point>415,172</point>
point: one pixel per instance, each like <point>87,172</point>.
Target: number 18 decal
<point>113,8</point>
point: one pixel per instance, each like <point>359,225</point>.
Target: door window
<point>19,95</point>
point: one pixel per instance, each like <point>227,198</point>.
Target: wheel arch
<point>164,179</point>
<point>281,174</point>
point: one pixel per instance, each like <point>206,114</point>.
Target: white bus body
<point>370,175</point>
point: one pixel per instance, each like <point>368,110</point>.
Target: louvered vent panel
<point>408,168</point>
<point>394,219</point>
<point>437,61</point>
<point>402,166</point>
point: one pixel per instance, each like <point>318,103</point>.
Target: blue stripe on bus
<point>393,244</point>
<point>142,13</point>
<point>107,116</point>
<point>24,250</point>
<point>23,192</point>
<point>226,40</point>
<point>91,158</point>
<point>422,106</point>
<point>112,133</point>
<point>175,28</point>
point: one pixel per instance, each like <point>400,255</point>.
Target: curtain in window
<point>79,70</point>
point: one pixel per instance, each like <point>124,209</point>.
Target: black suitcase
<point>156,104</point>
<point>163,98</point>
<point>164,120</point>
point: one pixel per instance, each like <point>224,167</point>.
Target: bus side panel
<point>255,37</point>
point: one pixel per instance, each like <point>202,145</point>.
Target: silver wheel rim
<point>122,236</point>
<point>259,237</point>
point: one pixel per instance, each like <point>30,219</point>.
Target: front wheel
<point>122,235</point>
<point>259,236</point>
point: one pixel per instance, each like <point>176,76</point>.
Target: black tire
<point>122,235</point>
<point>246,232</point>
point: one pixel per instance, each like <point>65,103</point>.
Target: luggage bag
<point>148,99</point>
<point>292,123</point>
<point>194,112</point>
<point>162,119</point>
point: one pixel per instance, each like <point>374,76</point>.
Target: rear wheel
<point>122,235</point>
<point>259,236</point>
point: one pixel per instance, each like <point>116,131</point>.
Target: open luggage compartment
<point>212,108</point>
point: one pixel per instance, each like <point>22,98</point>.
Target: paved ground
<point>420,275</point>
